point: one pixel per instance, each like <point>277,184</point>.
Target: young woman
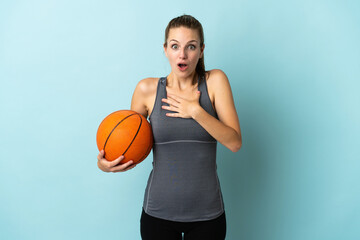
<point>190,110</point>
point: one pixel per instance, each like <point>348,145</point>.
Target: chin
<point>186,73</point>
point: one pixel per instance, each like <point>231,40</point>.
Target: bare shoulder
<point>216,81</point>
<point>216,77</point>
<point>147,86</point>
<point>144,95</point>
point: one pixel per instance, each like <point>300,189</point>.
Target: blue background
<point>294,68</point>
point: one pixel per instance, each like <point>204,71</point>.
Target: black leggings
<point>153,228</point>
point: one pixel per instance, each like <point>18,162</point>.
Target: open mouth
<point>182,67</point>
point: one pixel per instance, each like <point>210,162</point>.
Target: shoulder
<point>217,82</point>
<point>147,86</point>
<point>144,94</point>
<point>216,77</point>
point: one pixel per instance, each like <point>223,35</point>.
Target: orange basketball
<point>127,133</point>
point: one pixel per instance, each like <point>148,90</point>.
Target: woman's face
<point>183,50</point>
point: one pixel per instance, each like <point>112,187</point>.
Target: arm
<point>226,130</point>
<point>139,96</point>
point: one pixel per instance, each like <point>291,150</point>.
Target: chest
<point>168,129</point>
<point>150,100</point>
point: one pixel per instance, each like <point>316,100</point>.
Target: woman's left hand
<point>182,107</point>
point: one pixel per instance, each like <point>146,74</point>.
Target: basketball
<point>127,133</point>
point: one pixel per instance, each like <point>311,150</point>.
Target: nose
<point>183,54</point>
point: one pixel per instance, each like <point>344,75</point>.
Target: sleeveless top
<point>183,185</point>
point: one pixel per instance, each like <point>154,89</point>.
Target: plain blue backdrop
<point>294,68</point>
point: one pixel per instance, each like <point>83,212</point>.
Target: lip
<point>183,68</point>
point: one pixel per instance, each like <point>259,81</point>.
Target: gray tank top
<point>183,185</point>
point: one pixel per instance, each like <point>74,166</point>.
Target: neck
<point>181,83</point>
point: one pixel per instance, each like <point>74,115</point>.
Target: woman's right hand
<point>113,166</point>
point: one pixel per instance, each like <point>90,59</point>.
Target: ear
<point>202,51</point>
<point>165,50</point>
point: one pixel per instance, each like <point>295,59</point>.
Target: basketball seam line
<point>114,129</point>
<point>135,134</point>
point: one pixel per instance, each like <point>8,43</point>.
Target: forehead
<point>183,34</point>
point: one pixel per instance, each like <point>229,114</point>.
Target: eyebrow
<point>178,41</point>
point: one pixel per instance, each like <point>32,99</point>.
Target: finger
<point>128,168</point>
<point>173,99</point>
<point>116,161</point>
<point>109,164</point>
<point>173,114</point>
<point>100,155</point>
<point>171,102</point>
<point>122,167</point>
<point>170,108</point>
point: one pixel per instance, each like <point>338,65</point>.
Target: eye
<point>174,46</point>
<point>192,47</point>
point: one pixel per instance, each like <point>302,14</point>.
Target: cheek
<point>172,60</point>
<point>195,58</point>
<point>171,55</point>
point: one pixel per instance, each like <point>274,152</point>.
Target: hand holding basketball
<point>123,136</point>
<point>113,166</point>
